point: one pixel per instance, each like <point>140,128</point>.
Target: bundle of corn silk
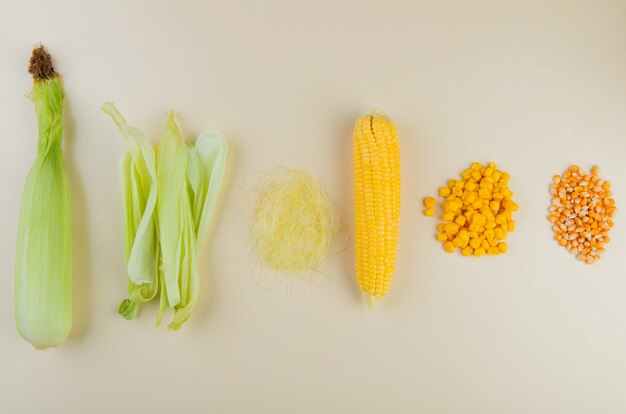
<point>43,267</point>
<point>294,224</point>
<point>169,200</point>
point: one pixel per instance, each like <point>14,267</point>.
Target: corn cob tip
<point>379,113</point>
<point>370,300</point>
<point>40,64</point>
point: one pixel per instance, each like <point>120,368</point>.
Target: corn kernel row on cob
<point>377,202</point>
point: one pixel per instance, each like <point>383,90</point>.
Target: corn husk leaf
<point>176,225</point>
<point>211,149</point>
<point>139,193</point>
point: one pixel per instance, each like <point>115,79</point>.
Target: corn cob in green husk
<point>43,267</point>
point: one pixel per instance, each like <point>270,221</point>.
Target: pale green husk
<point>43,269</point>
<point>185,182</point>
<point>139,192</point>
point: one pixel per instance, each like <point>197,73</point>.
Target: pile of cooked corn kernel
<point>581,212</point>
<point>477,211</point>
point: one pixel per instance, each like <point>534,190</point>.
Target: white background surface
<point>532,85</point>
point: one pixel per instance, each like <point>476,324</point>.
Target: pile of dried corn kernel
<point>581,212</point>
<point>477,211</point>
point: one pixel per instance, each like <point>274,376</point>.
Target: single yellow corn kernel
<point>451,183</point>
<point>448,246</point>
<point>484,193</point>
<point>478,219</point>
<point>452,228</point>
<point>459,184</point>
<point>474,228</point>
<point>466,174</point>
<point>493,251</point>
<point>429,202</point>
<point>476,166</point>
<point>460,220</point>
<point>511,225</point>
<point>502,247</point>
<point>494,206</point>
<point>500,235</point>
<point>448,216</point>
<point>470,197</point>
<point>489,234</point>
<point>441,227</point>
<point>490,224</point>
<point>475,243</point>
<point>496,176</point>
<point>493,242</point>
<point>477,204</point>
<point>442,237</point>
<point>466,251</point>
<point>500,219</point>
<point>497,196</point>
<point>444,191</point>
<point>488,172</point>
<point>470,186</point>
<point>476,175</point>
<point>429,212</point>
<point>457,191</point>
<point>485,244</point>
<point>457,242</point>
<point>479,252</point>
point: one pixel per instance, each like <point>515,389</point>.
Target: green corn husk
<point>186,185</point>
<point>176,225</point>
<point>43,268</point>
<point>139,192</point>
<point>211,149</point>
<point>206,164</point>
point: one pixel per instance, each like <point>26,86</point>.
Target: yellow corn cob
<point>376,202</point>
